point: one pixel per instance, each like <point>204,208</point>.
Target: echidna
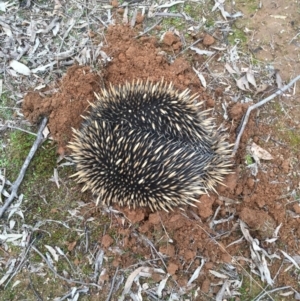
<point>159,109</point>
<point>148,145</point>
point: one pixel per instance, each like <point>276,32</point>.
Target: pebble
<point>208,40</point>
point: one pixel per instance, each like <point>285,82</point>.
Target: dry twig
<point>19,180</point>
<point>270,292</point>
<point>257,105</point>
<point>112,285</point>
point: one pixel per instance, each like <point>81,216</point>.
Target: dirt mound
<point>183,237</point>
<point>65,107</point>
<point>132,59</point>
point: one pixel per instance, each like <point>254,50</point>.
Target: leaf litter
<point>43,66</point>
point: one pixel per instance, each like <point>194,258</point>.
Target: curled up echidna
<point>148,145</point>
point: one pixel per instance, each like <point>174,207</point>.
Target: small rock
<point>139,18</point>
<point>208,265</point>
<point>177,46</point>
<point>189,254</point>
<point>285,166</point>
<point>210,102</point>
<point>154,218</point>
<point>106,241</point>
<point>219,92</point>
<point>226,258</point>
<point>61,151</point>
<point>168,250</point>
<point>296,208</point>
<point>205,206</point>
<point>179,66</point>
<point>131,51</point>
<point>208,40</point>
<point>122,57</point>
<point>237,111</point>
<point>114,3</point>
<point>250,183</point>
<point>259,221</point>
<point>205,286</point>
<point>135,216</point>
<point>229,183</point>
<point>169,38</point>
<point>172,268</point>
<point>260,202</point>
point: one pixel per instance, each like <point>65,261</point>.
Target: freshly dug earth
<point>183,237</point>
<point>132,59</point>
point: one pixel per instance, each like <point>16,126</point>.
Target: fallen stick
<point>17,183</point>
<point>257,105</point>
<point>148,29</point>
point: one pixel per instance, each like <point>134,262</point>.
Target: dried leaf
<point>236,15</point>
<point>57,7</point>
<point>234,56</point>
<point>218,275</point>
<point>201,78</point>
<point>16,208</point>
<point>290,259</point>
<point>226,14</point>
<point>278,17</point>
<point>278,80</point>
<point>46,131</point>
<point>161,286</point>
<point>259,152</point>
<point>52,252</point>
<point>133,19</point>
<point>55,30</point>
<point>242,83</point>
<point>250,78</point>
<point>19,67</point>
<point>12,224</point>
<point>261,88</point>
<point>170,4</point>
<point>6,29</point>
<point>221,292</point>
<point>296,258</point>
<point>16,283</point>
<point>287,294</point>
<point>196,273</point>
<point>55,178</point>
<point>3,6</point>
<point>151,10</point>
<point>271,240</point>
<point>218,3</point>
<point>297,296</point>
<point>9,272</point>
<point>229,69</point>
<point>10,237</point>
<point>224,106</point>
<point>43,68</point>
<point>223,12</point>
<point>258,255</point>
<point>275,234</point>
<point>125,15</point>
<point>202,52</point>
<point>72,245</point>
<point>133,277</point>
